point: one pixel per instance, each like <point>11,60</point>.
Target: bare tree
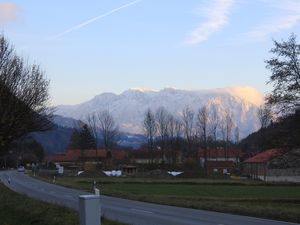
<point>228,125</point>
<point>285,78</point>
<point>214,122</point>
<point>174,135</point>
<point>202,123</point>
<point>188,126</point>
<point>223,129</point>
<point>93,127</point>
<point>109,129</point>
<point>23,96</point>
<point>178,128</point>
<point>237,134</point>
<point>265,116</point>
<point>162,117</point>
<point>150,129</point>
<point>171,127</point>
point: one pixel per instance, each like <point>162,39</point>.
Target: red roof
<point>264,156</point>
<point>220,153</point>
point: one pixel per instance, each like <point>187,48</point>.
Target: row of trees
<point>189,130</point>
<point>100,130</point>
<point>205,124</point>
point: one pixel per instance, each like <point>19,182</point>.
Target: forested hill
<point>284,133</point>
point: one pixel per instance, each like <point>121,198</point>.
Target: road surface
<point>127,211</point>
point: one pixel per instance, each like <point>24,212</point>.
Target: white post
<point>89,210</point>
<point>97,191</point>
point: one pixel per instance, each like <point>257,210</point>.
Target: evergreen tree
<point>86,139</point>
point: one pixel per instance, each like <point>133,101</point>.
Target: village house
<point>72,157</point>
<point>256,166</point>
<point>219,161</point>
<point>274,165</point>
<point>143,156</point>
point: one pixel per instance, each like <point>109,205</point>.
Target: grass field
<point>16,209</point>
<point>252,198</point>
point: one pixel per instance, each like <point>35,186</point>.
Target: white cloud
<point>290,17</point>
<point>8,12</point>
<point>216,17</point>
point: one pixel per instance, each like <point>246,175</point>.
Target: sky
<point>89,47</point>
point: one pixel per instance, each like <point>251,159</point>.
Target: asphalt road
<point>127,211</point>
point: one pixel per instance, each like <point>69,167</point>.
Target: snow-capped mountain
<point>128,108</point>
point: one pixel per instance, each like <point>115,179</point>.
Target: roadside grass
<point>251,198</point>
<point>17,209</point>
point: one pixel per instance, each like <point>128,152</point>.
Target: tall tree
<point>202,122</point>
<point>74,140</point>
<point>171,136</point>
<point>109,129</point>
<point>93,127</point>
<point>162,117</point>
<point>188,126</point>
<point>23,96</point>
<point>214,122</point>
<point>237,134</point>
<point>285,78</point>
<point>86,139</point>
<point>150,130</point>
<point>227,125</point>
<point>265,115</point>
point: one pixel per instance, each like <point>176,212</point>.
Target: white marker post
<point>97,191</point>
<point>89,210</point>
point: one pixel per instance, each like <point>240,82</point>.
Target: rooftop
<point>264,156</point>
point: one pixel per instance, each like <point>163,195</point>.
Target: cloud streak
<point>87,22</point>
<point>216,17</point>
<point>289,19</point>
<point>8,12</point>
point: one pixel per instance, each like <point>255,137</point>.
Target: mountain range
<point>129,107</point>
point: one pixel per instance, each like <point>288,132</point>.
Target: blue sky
<point>90,47</point>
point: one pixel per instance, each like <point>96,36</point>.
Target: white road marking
<point>142,211</point>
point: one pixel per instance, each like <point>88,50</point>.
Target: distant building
<point>129,170</point>
<point>220,161</point>
<point>257,165</point>
<point>144,156</point>
<point>274,165</point>
<point>73,156</point>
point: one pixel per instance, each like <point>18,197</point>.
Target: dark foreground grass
<point>279,202</point>
<point>17,209</point>
<point>273,202</point>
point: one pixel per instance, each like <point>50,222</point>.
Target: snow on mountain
<point>129,107</point>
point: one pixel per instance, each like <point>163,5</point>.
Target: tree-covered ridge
<point>285,133</point>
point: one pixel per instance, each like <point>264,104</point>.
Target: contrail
<point>94,19</point>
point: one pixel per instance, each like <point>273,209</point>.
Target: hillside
<point>56,140</point>
<point>284,133</point>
